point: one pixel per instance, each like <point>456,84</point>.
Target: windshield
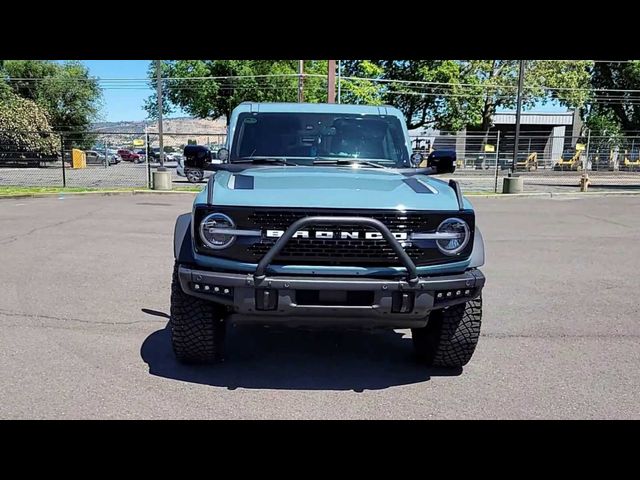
<point>309,137</point>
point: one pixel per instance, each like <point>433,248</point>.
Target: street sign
<point>138,142</point>
<point>579,147</point>
<point>489,148</point>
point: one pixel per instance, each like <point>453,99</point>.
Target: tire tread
<point>197,326</point>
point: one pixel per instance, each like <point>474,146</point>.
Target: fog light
<point>458,292</point>
<point>448,294</point>
<point>226,290</point>
<point>439,294</point>
<point>466,292</point>
<point>207,288</point>
<point>196,287</point>
<point>216,289</point>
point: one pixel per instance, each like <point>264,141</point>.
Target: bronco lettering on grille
<point>336,235</point>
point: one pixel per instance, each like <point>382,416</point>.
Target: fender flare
<point>182,244</point>
<point>477,254</point>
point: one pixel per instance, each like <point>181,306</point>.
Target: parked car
<point>94,157</point>
<point>129,156</point>
<point>194,175</point>
<point>194,162</point>
<point>173,156</point>
<point>154,155</point>
<point>320,214</point>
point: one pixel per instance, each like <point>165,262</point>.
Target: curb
<point>103,193</point>
<point>501,195</point>
<point>553,194</point>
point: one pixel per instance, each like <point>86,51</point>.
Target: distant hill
<point>177,131</point>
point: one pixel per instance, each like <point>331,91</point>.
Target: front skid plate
<point>245,291</point>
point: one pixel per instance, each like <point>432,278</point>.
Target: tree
<point>357,91</point>
<point>67,93</point>
<point>613,110</point>
<point>450,95</point>
<point>233,81</point>
<point>25,131</point>
<point>230,82</point>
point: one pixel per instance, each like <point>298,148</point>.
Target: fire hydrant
<point>584,182</point>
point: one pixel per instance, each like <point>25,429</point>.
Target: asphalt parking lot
<point>85,298</point>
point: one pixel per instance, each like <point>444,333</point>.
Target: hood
<point>329,187</point>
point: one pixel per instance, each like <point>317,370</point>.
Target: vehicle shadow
<point>298,359</point>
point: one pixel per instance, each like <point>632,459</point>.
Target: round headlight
<point>212,231</point>
<point>457,236</point>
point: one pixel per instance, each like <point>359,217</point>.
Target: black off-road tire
<point>451,335</point>
<point>197,326</point>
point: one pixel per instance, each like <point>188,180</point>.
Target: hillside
<point>176,131</point>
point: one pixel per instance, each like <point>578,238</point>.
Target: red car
<point>129,156</point>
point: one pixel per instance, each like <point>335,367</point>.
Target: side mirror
<point>222,154</point>
<point>416,159</point>
<point>442,161</point>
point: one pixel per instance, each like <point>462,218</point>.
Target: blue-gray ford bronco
<point>320,214</point>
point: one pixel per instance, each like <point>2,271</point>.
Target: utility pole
<point>331,82</point>
<point>159,94</point>
<point>339,75</point>
<point>300,81</point>
<point>518,113</point>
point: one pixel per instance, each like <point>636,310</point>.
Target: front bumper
<point>311,299</point>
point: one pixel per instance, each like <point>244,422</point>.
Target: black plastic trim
<point>456,188</point>
<point>243,182</point>
<point>417,186</point>
<point>283,306</point>
<point>182,244</point>
<point>210,185</point>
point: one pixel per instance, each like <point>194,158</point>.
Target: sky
<point>127,103</point>
<point>121,104</point>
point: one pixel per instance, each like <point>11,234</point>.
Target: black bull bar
<point>405,259</point>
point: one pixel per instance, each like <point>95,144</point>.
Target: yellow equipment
<point>569,161</point>
<point>527,162</point>
<point>631,161</point>
<point>78,159</point>
<point>602,159</point>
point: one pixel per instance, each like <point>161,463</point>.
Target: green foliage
<point>614,110</point>
<point>450,95</point>
<point>24,127</point>
<point>444,94</point>
<point>252,80</point>
<point>358,91</point>
<point>216,97</point>
<point>603,123</point>
<point>65,91</point>
<point>26,75</point>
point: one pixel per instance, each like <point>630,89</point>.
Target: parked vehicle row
<point>95,157</point>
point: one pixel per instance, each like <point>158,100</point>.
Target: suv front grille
<point>337,251</point>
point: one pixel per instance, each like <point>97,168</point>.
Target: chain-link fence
<point>547,163</point>
<point>93,159</point>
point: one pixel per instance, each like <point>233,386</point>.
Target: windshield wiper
<point>345,161</point>
<point>275,160</point>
